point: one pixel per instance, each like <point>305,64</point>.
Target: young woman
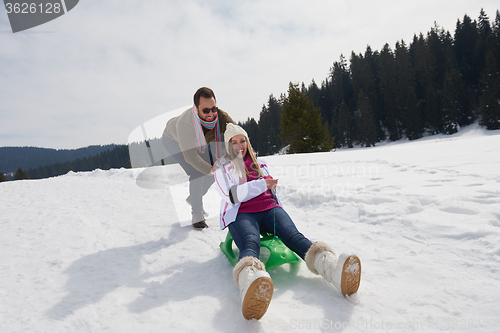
<point>250,205</point>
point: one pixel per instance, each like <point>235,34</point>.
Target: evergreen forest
<point>437,83</point>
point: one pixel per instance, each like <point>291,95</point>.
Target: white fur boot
<point>344,273</point>
<point>256,287</point>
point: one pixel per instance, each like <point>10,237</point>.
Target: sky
<point>93,75</point>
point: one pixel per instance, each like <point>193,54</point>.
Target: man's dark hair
<point>203,92</point>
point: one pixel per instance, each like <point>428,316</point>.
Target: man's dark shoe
<point>200,225</point>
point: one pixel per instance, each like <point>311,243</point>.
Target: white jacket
<point>227,182</point>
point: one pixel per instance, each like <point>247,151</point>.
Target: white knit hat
<point>232,130</point>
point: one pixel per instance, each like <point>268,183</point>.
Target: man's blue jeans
<point>246,229</point>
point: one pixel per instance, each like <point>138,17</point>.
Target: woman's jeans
<point>246,229</point>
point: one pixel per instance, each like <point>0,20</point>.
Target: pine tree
<point>338,74</point>
<point>424,63</point>
<point>363,76</point>
<point>302,125</point>
<point>3,178</point>
<point>484,25</point>
<point>484,34</point>
<point>466,36</point>
<point>438,40</point>
<point>269,127</point>
<point>490,94</point>
<point>341,85</point>
<point>373,93</point>
<point>406,96</point>
<point>316,95</point>
<point>325,103</point>
<point>252,129</point>
<point>452,107</point>
<point>365,120</point>
<point>20,174</point>
<point>496,38</point>
<point>346,124</point>
<point>391,117</point>
<point>465,49</point>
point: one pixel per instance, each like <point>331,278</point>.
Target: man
<point>194,139</point>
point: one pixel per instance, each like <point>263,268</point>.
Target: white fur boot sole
<point>257,298</point>
<point>347,275</point>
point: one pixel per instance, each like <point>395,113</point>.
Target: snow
<point>94,252</point>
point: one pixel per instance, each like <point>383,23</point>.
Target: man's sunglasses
<point>207,110</point>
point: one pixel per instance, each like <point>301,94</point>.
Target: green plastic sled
<point>279,253</point>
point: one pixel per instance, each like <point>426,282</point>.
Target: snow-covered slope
<point>94,252</point>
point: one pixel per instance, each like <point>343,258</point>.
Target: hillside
<point>12,158</point>
<point>94,252</point>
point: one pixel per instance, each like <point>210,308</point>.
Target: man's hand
<point>214,167</point>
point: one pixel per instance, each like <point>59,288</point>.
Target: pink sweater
<point>260,203</point>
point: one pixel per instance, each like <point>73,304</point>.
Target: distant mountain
<point>12,158</point>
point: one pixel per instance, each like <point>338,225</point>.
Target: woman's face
<point>239,145</point>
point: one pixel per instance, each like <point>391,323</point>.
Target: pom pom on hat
<point>233,130</point>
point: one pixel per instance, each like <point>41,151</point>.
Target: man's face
<point>207,103</point>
